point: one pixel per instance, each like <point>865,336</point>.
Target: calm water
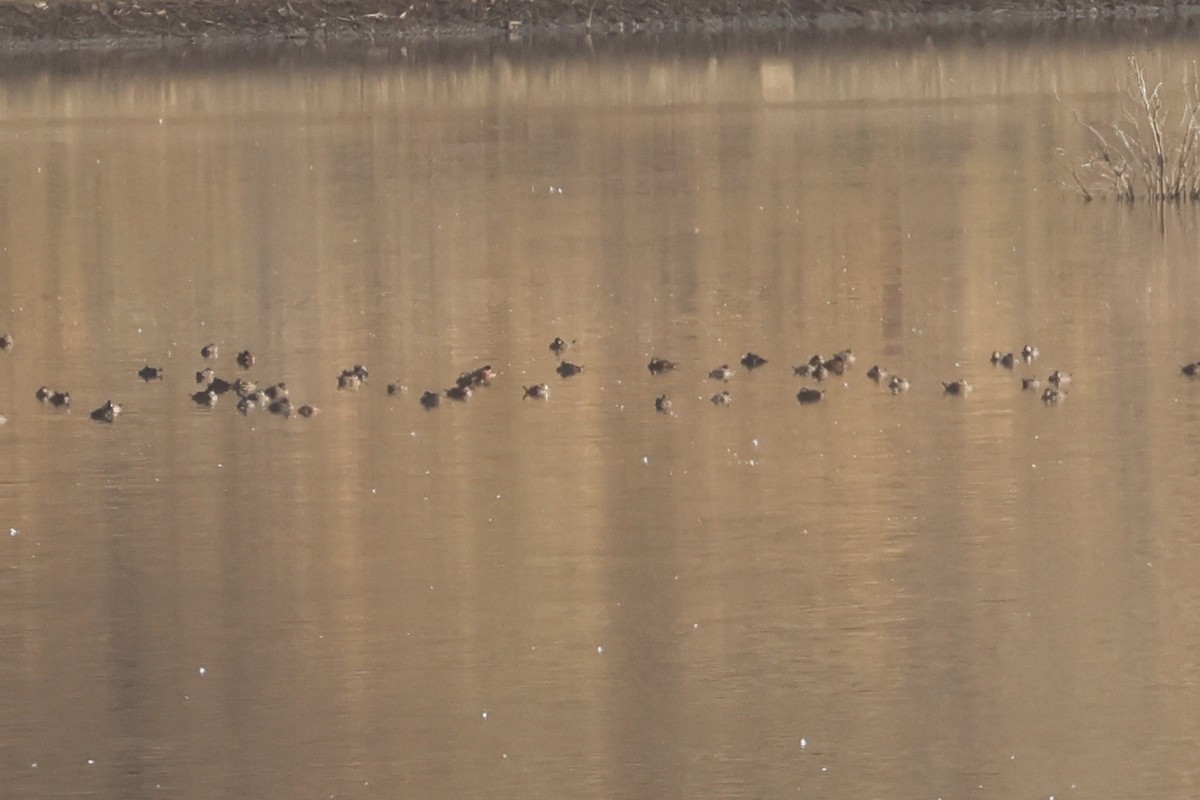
<point>872,597</point>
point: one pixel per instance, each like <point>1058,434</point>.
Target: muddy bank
<point>75,23</point>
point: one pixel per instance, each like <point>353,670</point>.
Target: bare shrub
<point>1140,157</point>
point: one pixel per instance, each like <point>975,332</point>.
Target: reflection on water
<point>872,596</point>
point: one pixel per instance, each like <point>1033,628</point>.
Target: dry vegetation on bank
<point>73,22</point>
<point>1147,155</point>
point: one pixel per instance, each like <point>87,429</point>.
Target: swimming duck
<point>1053,395</point>
<point>6,342</point>
<point>208,351</point>
<point>246,404</point>
<point>877,373</point>
<point>820,372</point>
<point>243,387</point>
<point>817,360</point>
<point>1029,352</point>
<point>277,391</point>
<point>307,411</point>
<point>722,398</point>
<point>753,360</point>
<point>396,388</point>
<point>721,373</point>
<point>657,366</point>
<point>1030,384</point>
<point>662,404</point>
<point>245,359</point>
<point>349,381</point>
<point>478,377</point>
<point>281,406</point>
<point>835,365</point>
<point>219,386</point>
<point>897,385</point>
<point>460,393</point>
<point>996,356</point>
<point>959,386</point>
<point>807,395</point>
<point>205,375</point>
<point>149,373</point>
<point>566,369</point>
<point>107,412</point>
<point>43,393</point>
<point>431,399</point>
<point>802,370</point>
<point>1059,378</point>
<point>1008,360</point>
<point>558,346</point>
<point>539,391</point>
<point>847,356</point>
<point>205,397</point>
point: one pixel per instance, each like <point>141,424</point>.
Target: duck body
<point>657,366</point>
<point>245,359</point>
<point>107,412</point>
<point>958,387</point>
<point>568,370</point>
<point>898,385</point>
<point>430,400</point>
<point>753,360</point>
<point>662,404</point>
<point>721,373</point>
<point>539,391</point>
<point>807,395</point>
<point>722,398</point>
<point>877,373</point>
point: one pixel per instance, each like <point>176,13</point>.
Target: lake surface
<point>874,596</point>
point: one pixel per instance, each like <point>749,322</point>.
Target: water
<point>873,596</point>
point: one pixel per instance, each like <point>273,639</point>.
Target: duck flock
<point>275,399</point>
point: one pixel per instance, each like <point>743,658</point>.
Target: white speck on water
<point>504,755</point>
<point>34,765</point>
<point>485,714</point>
<point>754,442</point>
<point>645,459</point>
<point>202,671</point>
<point>13,531</point>
<point>695,625</point>
<point>91,761</point>
<point>374,491</point>
<point>497,497</point>
<point>600,649</point>
<point>803,744</point>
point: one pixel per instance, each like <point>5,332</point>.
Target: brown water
<point>872,597</point>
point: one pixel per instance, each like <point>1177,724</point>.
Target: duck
<point>1008,360</point>
<point>877,373</point>
<point>807,395</point>
<point>558,346</point>
<point>898,385</point>
<point>43,393</point>
<point>836,365</point>
<point>349,381</point>
<point>396,388</point>
<point>246,404</point>
<point>477,377</point>
<point>308,411</point>
<point>662,404</point>
<point>1030,384</point>
<point>243,387</point>
<point>657,366</point>
<point>721,373</point>
<point>1059,378</point>
<point>205,397</point>
<point>281,406</point>
<point>539,391</point>
<point>1053,395</point>
<point>205,375</point>
<point>245,359</point>
<point>276,391</point>
<point>566,369</point>
<point>460,393</point>
<point>802,370</point>
<point>1191,370</point>
<point>149,373</point>
<point>820,372</point>
<point>107,412</point>
<point>6,342</point>
<point>847,356</point>
<point>1030,352</point>
<point>208,351</point>
<point>959,387</point>
<point>753,360</point>
<point>722,398</point>
<point>431,400</point>
<point>219,386</point>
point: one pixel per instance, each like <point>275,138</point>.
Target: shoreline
<point>53,25</point>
